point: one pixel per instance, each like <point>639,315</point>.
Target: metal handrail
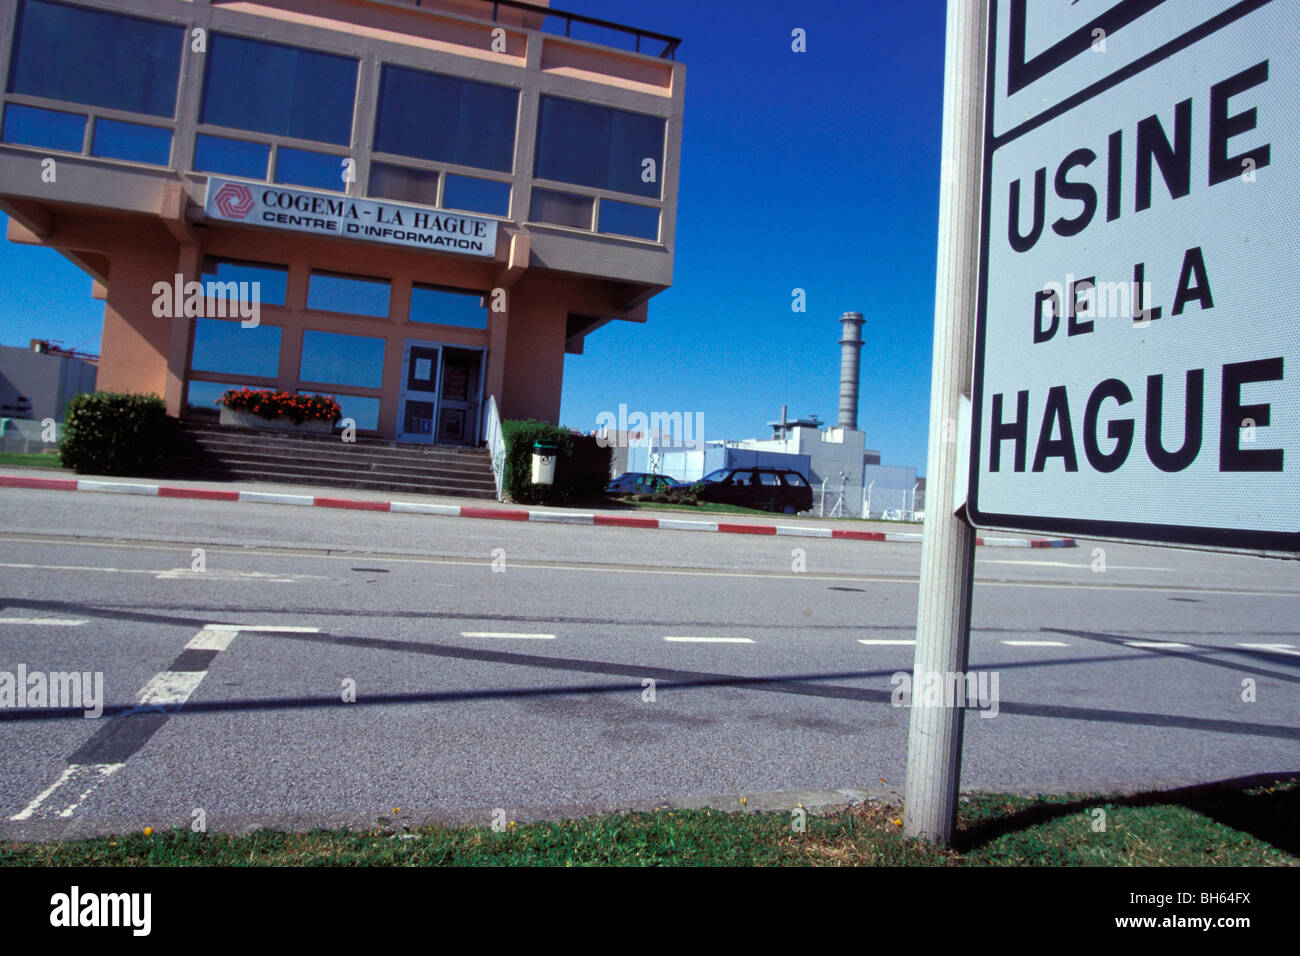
<point>496,445</point>
<point>670,42</point>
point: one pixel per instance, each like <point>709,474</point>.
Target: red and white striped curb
<point>500,514</point>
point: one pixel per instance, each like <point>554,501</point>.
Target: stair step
<point>223,452</point>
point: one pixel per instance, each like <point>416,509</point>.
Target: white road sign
<point>1137,364</point>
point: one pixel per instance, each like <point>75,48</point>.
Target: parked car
<point>769,489</point>
<point>639,483</point>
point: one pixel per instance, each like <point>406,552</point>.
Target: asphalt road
<point>498,664</point>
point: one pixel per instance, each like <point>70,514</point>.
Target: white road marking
<point>900,643</point>
<point>709,640</point>
<point>1036,643</point>
<point>526,637</point>
<point>270,628</point>
<point>98,772</point>
<point>1279,648</point>
<point>170,687</point>
<point>1071,564</point>
<point>173,574</point>
<point>213,637</point>
<point>1158,645</point>
<point>52,621</point>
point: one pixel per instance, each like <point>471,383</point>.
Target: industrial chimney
<point>850,361</point>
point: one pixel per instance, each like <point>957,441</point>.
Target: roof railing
<point>637,34</point>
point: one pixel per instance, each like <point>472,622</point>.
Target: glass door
<point>419,394</point>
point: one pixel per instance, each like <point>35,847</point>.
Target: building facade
<point>418,208</point>
<point>38,382</point>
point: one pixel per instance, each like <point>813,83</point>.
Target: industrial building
<point>417,207</point>
<point>848,479</point>
<point>38,382</point>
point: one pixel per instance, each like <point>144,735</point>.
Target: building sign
<point>330,214</point>
<point>1137,367</point>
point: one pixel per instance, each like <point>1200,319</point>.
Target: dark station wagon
<point>768,489</point>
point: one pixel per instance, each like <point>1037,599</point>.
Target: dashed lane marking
<point>686,639</point>
<point>50,621</point>
<point>509,634</point>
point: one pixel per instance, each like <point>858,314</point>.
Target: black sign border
<point>1221,538</point>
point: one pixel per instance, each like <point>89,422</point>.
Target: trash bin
<point>544,462</point>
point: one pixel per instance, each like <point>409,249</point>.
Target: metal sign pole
<point>948,552</point>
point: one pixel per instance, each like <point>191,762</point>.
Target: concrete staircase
<point>222,453</point>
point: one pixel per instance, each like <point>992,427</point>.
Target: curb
<point>498,514</point>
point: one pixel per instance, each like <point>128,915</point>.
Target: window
<point>404,183</point>
<point>563,209</point>
<point>280,90</point>
<point>355,295</point>
<point>299,167</point>
<point>28,126</point>
<point>477,195</point>
<point>233,157</point>
<point>769,479</point>
<point>333,358</point>
<point>144,144</point>
<point>448,307</point>
<point>629,219</point>
<point>267,283</point>
<point>599,147</point>
<point>794,479</point>
<point>202,397</point>
<point>96,58</point>
<point>446,119</point>
<point>360,408</point>
<point>228,348</point>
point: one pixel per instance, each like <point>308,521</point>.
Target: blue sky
<point>816,170</point>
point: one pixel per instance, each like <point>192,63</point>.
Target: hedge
<point>581,468</point>
<point>111,433</point>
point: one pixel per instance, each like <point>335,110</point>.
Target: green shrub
<point>111,433</point>
<point>581,467</point>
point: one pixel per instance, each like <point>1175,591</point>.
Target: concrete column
<point>850,362</point>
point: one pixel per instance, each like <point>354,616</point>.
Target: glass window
<point>101,59</point>
<point>230,349</point>
<point>144,144</point>
<point>28,126</point>
<point>331,292</point>
<point>233,157</point>
<point>742,478</point>
<point>563,209</point>
<point>202,397</point>
<point>769,479</point>
<point>281,90</point>
<point>360,408</point>
<point>404,183</point>
<point>448,307</point>
<point>267,283</point>
<point>477,195</point>
<point>337,359</point>
<point>793,479</point>
<point>598,146</point>
<point>299,167</point>
<point>629,219</point>
<point>446,119</point>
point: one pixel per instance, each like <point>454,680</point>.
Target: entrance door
<point>458,408</point>
<point>419,395</point>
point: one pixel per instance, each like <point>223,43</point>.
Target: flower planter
<point>245,419</point>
